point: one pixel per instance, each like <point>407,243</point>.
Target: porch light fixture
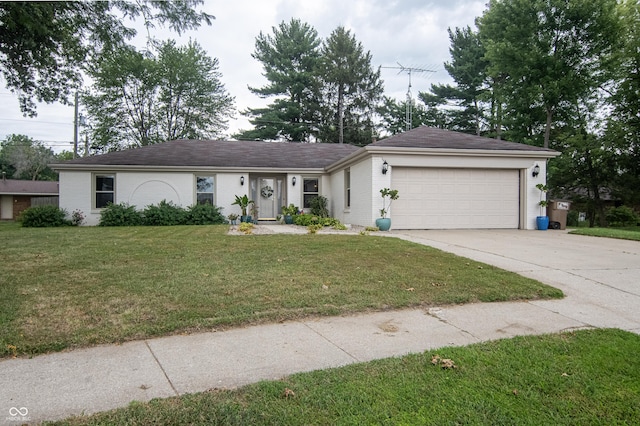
<point>385,168</point>
<point>241,180</point>
<point>293,181</point>
<point>536,171</point>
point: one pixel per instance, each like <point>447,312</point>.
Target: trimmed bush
<point>319,206</point>
<point>120,215</point>
<point>309,219</point>
<point>44,217</point>
<point>204,214</point>
<point>164,214</point>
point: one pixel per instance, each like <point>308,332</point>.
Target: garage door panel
<point>455,198</point>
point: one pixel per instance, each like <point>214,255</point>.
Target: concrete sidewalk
<point>603,290</point>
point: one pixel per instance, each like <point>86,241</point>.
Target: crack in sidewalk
<point>162,368</point>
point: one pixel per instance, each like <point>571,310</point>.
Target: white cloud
<point>410,32</point>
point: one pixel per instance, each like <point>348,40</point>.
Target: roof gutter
<point>389,150</point>
<point>215,169</point>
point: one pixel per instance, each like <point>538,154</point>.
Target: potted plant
<point>243,202</point>
<point>542,221</point>
<point>232,218</point>
<point>388,195</point>
<point>289,212</point>
<point>254,213</point>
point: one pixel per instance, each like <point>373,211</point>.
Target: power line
<point>35,121</point>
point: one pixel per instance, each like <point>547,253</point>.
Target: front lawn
<point>74,287</point>
<point>579,378</point>
<point>626,233</point>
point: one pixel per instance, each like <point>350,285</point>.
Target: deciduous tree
<point>547,54</point>
<point>22,157</point>
<point>45,46</point>
<point>141,99</point>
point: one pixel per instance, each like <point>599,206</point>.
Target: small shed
<point>18,195</point>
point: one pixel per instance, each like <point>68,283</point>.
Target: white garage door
<point>455,198</point>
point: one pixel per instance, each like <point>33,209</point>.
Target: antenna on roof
<point>409,106</point>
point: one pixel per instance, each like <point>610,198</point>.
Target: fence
<point>44,201</point>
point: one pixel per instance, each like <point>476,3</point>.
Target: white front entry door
<point>267,192</point>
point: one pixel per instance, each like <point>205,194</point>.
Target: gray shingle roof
<point>28,187</point>
<point>224,154</point>
<point>430,137</point>
<point>284,155</point>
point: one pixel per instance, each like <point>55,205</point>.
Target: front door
<point>268,194</point>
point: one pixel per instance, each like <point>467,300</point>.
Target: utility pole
<point>75,126</point>
<point>408,117</point>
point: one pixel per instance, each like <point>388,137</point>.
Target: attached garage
<point>445,180</point>
<point>454,198</point>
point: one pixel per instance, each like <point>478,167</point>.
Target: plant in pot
<point>388,196</point>
<point>288,212</point>
<point>243,202</point>
<point>542,221</point>
<point>232,218</point>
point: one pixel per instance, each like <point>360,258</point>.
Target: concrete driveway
<point>599,276</point>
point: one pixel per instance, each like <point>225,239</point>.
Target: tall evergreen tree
<point>352,90</point>
<point>290,57</point>
<point>468,68</point>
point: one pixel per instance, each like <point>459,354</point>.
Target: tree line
<point>551,73</point>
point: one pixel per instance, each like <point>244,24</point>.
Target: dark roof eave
<point>388,150</point>
<point>151,168</point>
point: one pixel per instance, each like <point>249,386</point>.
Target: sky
<point>411,33</point>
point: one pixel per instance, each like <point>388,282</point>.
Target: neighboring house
<point>446,180</point>
<point>18,195</point>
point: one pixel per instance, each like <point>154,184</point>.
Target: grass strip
<point>588,377</point>
<point>629,233</point>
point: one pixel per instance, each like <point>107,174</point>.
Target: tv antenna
<point>408,118</point>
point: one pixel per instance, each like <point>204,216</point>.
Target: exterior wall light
<point>241,180</point>
<point>293,181</point>
<point>385,168</point>
<point>536,171</point>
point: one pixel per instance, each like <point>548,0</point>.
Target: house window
<point>347,188</point>
<point>309,191</point>
<point>105,190</point>
<point>204,189</point>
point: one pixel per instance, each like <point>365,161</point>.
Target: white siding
<point>533,194</point>
<point>227,186</point>
<point>362,188</point>
<point>76,194</point>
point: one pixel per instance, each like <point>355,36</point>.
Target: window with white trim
<point>204,189</point>
<point>310,190</point>
<point>105,193</point>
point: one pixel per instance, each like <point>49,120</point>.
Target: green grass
<point>74,287</point>
<point>579,378</point>
<point>627,233</point>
